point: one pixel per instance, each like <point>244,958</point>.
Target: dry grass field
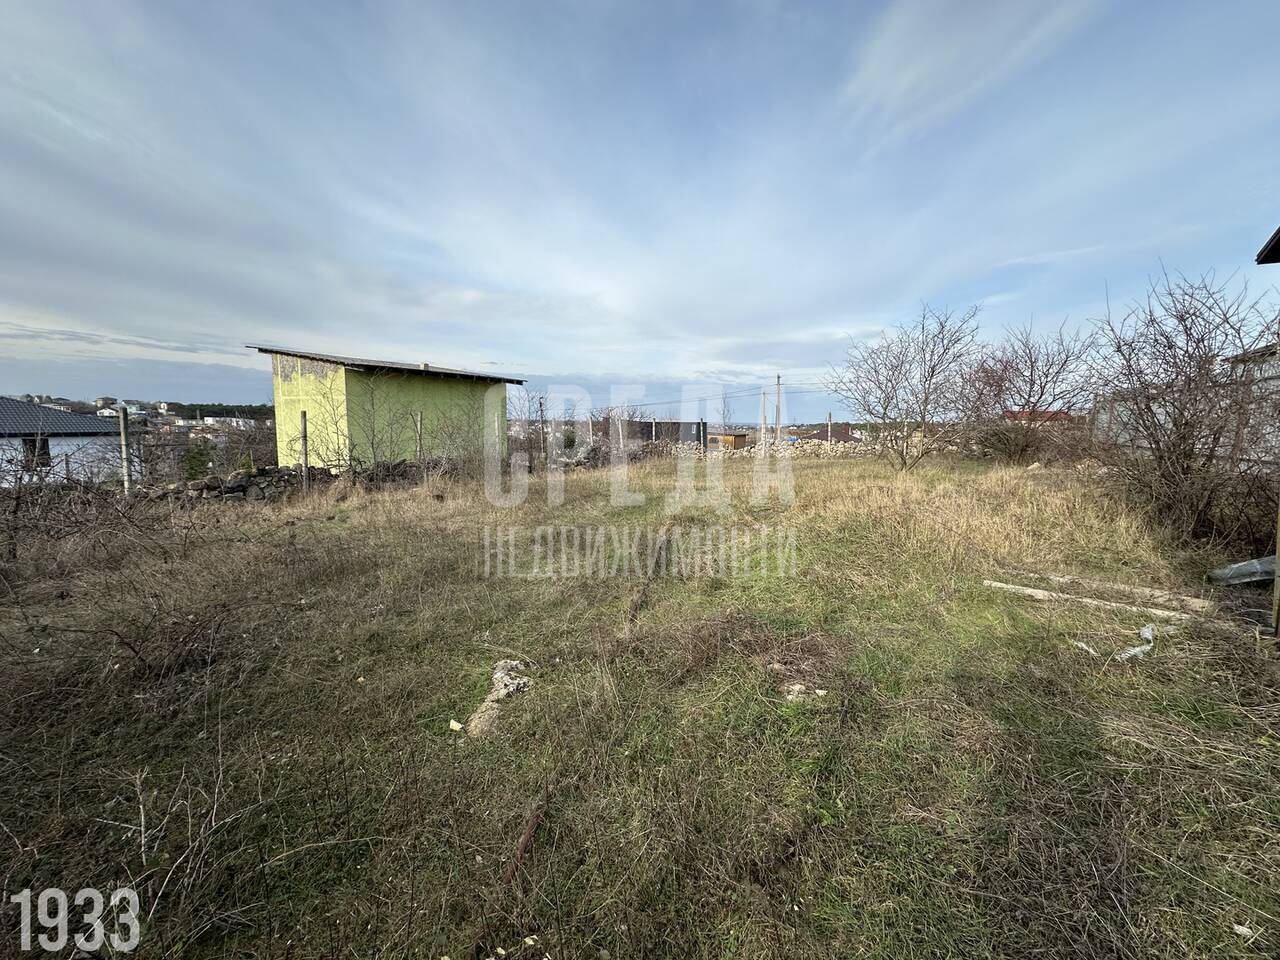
<point>246,715</point>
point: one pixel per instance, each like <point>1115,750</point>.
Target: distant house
<point>638,432</point>
<point>1258,370</point>
<point>101,402</point>
<point>134,410</point>
<point>1260,363</point>
<point>363,411</point>
<point>727,439</point>
<point>840,433</point>
<point>1253,386</point>
<point>39,443</point>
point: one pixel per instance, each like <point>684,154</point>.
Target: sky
<point>681,196</point>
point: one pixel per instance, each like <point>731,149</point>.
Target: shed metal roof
<point>1270,252</point>
<point>21,419</point>
<point>361,363</point>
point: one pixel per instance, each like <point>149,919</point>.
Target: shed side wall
<point>383,408</point>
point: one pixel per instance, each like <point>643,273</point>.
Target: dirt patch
<point>698,648</point>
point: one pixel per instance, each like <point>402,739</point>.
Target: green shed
<point>360,412</point>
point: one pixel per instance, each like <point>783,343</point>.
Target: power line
<point>718,396</point>
<point>725,396</point>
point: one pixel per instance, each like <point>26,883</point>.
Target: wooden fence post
<point>763,438</point>
<point>1275,592</point>
<point>306,458</point>
<point>126,463</point>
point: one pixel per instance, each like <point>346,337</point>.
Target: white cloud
<point>628,190</point>
<point>925,59</point>
<point>1050,256</point>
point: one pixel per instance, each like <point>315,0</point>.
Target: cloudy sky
<point>595,192</point>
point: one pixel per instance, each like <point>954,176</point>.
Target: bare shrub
<point>526,413</point>
<point>1030,392</point>
<point>913,384</point>
<point>1185,420</point>
<point>50,527</point>
<point>166,456</point>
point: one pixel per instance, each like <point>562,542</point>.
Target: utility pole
<point>126,463</point>
<point>828,427</point>
<point>653,429</point>
<point>306,459</point>
<point>777,410</point>
<point>542,426</point>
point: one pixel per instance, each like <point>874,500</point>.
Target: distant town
<point>170,440</point>
<point>162,413</point>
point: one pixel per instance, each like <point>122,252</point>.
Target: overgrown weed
<point>247,718</point>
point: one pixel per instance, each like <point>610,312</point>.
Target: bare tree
<point>525,410</point>
<point>1030,391</point>
<point>1189,402</point>
<point>913,383</point>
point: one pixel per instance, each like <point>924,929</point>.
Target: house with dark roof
<point>360,411</point>
<point>40,443</point>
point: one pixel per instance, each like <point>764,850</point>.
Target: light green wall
<point>383,407</point>
<point>320,389</point>
<point>365,417</point>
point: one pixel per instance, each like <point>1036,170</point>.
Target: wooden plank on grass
<point>1150,594</point>
<point>1049,595</point>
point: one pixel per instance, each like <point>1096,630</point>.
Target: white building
<point>39,444</point>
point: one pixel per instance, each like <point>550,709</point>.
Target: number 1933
<point>53,914</point>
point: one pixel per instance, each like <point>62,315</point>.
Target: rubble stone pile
<point>260,483</point>
<point>787,449</point>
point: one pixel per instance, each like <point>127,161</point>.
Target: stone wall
<point>262,483</point>
<point>599,455</point>
<point>787,450</point>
